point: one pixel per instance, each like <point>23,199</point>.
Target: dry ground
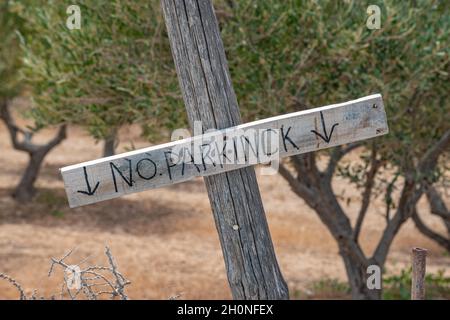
<point>164,240</point>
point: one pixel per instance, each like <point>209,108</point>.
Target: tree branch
<point>411,193</point>
<point>308,173</point>
<point>120,283</point>
<point>438,207</point>
<point>15,284</point>
<point>317,192</point>
<point>370,180</point>
<point>91,278</point>
<point>26,145</point>
<point>442,241</point>
<point>408,199</point>
<point>428,161</point>
<point>437,204</point>
<point>57,139</point>
<point>299,188</point>
<point>13,129</point>
<point>337,154</point>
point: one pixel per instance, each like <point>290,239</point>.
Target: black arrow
<point>327,137</point>
<point>90,192</point>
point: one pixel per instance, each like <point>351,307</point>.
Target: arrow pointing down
<point>90,192</point>
<point>327,137</point>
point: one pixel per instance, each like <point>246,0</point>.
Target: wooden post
<point>419,257</point>
<point>197,49</point>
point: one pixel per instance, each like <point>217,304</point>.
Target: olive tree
<point>284,56</point>
<point>292,55</point>
<point>115,70</point>
<point>12,26</point>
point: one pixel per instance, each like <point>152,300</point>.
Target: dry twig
<point>92,281</point>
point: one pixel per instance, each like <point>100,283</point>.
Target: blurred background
<point>71,93</point>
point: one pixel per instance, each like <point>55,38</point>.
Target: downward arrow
<point>90,192</point>
<point>327,137</point>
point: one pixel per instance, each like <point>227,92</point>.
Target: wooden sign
<point>224,150</point>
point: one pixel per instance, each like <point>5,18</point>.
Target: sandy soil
<point>165,240</point>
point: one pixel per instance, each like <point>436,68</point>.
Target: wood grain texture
<point>419,263</point>
<point>296,133</point>
<point>252,268</point>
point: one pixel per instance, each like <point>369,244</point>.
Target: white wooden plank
<point>153,167</point>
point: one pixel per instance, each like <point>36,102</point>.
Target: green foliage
<point>283,55</point>
<point>52,202</point>
<point>117,69</point>
<point>398,287</point>
<point>326,288</point>
<point>11,23</point>
<point>395,287</point>
<point>58,213</point>
<point>291,55</point>
<point>51,199</point>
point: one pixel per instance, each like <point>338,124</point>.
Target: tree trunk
<point>109,146</point>
<point>199,56</point>
<point>318,194</point>
<point>357,277</point>
<point>25,190</point>
<point>438,207</point>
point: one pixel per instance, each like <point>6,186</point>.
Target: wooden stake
<point>199,56</point>
<point>419,257</point>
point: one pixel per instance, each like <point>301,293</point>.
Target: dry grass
<point>165,240</point>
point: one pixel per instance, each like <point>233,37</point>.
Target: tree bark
<point>357,277</point>
<point>426,231</point>
<point>252,268</point>
<point>438,207</point>
<point>314,186</point>
<point>25,190</point>
<point>316,190</point>
<point>419,263</point>
<point>109,144</point>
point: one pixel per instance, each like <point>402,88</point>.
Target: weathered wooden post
<point>252,268</point>
<point>419,261</point>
